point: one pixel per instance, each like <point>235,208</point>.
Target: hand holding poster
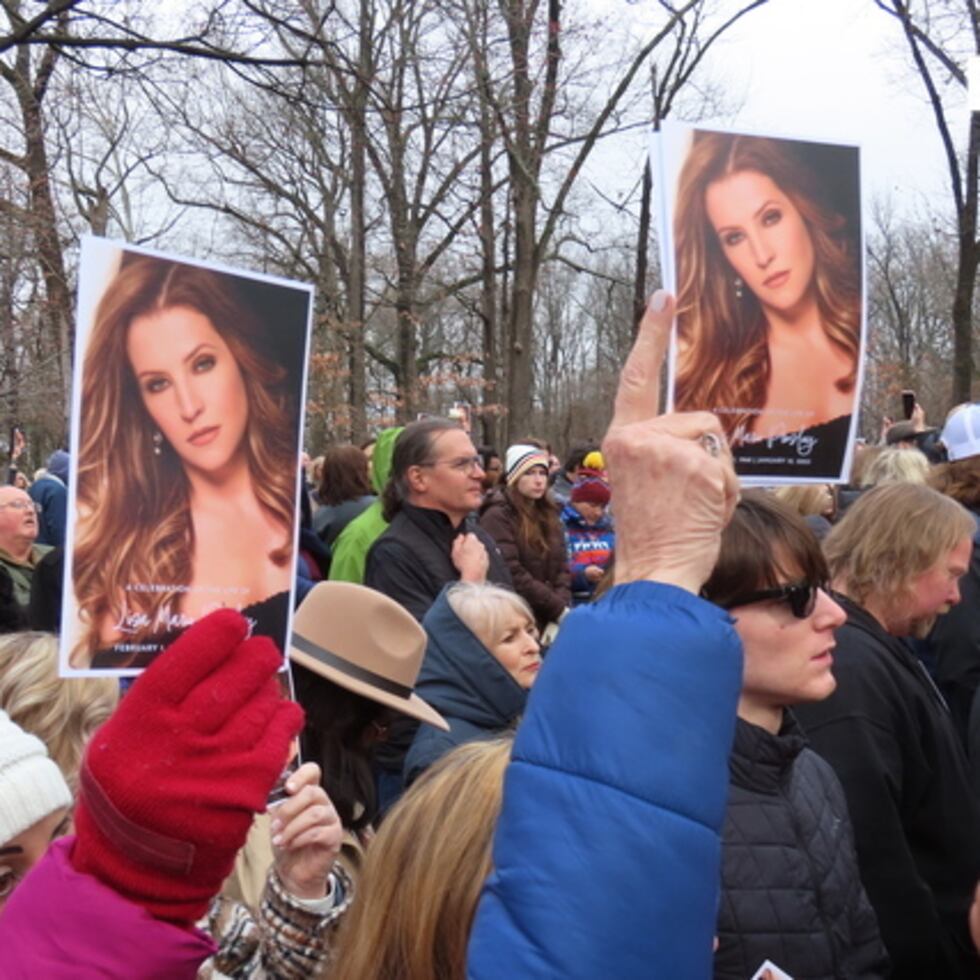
<point>763,249</point>
<point>186,427</point>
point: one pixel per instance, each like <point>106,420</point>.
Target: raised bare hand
<point>672,496</point>
<point>306,834</point>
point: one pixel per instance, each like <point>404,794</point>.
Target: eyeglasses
<point>464,464</point>
<point>22,505</point>
<point>800,597</point>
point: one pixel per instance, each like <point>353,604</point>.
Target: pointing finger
<point>638,396</point>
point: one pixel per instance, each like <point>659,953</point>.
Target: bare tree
<point>911,273</point>
<point>694,32</point>
<point>939,35</point>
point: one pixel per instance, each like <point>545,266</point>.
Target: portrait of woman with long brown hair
<point>186,484</point>
<point>766,236</point>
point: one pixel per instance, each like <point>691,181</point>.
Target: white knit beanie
<point>31,785</point>
<point>521,458</point>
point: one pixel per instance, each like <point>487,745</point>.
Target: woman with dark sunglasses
<point>791,893</point>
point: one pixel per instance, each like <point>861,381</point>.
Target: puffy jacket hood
<point>461,678</point>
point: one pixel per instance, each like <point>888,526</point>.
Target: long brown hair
<point>134,523</point>
<point>424,872</point>
<point>537,521</point>
<point>723,353</point>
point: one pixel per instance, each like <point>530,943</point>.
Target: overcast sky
<point>831,70</point>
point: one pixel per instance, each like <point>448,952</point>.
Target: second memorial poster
<point>762,246</point>
<point>186,425</point>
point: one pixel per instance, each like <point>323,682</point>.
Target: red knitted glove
<point>170,782</point>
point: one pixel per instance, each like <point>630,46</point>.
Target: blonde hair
<point>481,607</point>
<point>895,465</point>
<point>61,713</point>
<point>890,536</point>
<point>807,499</point>
<point>864,456</point>
<point>424,872</point>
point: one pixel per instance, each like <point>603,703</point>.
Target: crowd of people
<point>606,717</point>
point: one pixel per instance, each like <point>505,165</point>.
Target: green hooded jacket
<point>349,554</point>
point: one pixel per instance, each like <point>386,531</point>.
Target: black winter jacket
<point>955,643</point>
<point>888,735</point>
<point>790,886</point>
<point>412,560</point>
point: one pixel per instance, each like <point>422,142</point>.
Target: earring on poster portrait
<point>157,443</point>
<point>737,283</point>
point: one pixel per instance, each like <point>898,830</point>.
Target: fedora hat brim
<point>342,673</point>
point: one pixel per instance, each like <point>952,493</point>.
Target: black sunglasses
<point>800,597</point>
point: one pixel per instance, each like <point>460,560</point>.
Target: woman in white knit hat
<point>523,521</point>
<point>34,804</point>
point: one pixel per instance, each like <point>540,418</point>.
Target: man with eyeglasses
<point>19,554</point>
<point>436,484</point>
<point>895,561</point>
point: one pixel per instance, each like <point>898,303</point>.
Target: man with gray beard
<point>895,560</point>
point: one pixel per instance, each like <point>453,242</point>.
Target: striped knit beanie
<point>521,458</point>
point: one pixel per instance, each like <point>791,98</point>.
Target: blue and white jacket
<point>587,544</point>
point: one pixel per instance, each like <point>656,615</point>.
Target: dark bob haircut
<point>764,545</point>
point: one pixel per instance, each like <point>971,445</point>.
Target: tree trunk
<point>356,307</point>
<point>966,277</point>
<point>520,351</point>
<point>58,301</point>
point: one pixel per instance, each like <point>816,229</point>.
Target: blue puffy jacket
<point>607,853</point>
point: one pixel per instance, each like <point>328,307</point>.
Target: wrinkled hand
<point>672,497</point>
<point>306,834</point>
<point>470,557</point>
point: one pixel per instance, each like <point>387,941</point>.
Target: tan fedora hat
<point>366,643</point>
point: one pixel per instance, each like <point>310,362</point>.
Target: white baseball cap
<point>961,433</point>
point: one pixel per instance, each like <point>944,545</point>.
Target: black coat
<point>888,735</point>
<point>955,644</point>
<point>412,560</point>
<point>790,886</point>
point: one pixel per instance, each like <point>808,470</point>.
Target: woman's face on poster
<point>191,386</point>
<point>764,238</point>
